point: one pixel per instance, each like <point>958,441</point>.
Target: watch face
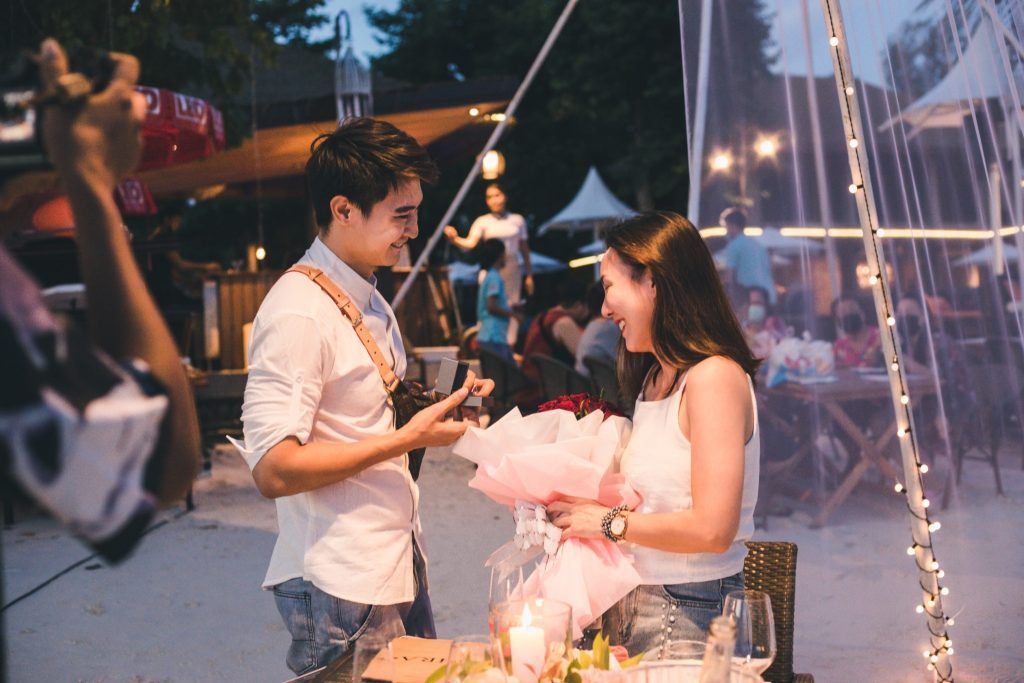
<point>618,525</point>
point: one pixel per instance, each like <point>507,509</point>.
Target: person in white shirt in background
<point>319,427</point>
<point>510,228</point>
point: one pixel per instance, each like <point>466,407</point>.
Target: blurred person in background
<point>492,309</point>
<point>858,344</point>
<point>746,260</point>
<point>761,327</point>
<point>510,228</point>
<point>600,338</point>
<point>557,331</point>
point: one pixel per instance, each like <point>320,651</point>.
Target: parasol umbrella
<point>984,256</point>
<point>593,208</point>
<point>468,273</point>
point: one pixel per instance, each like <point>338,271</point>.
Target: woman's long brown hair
<point>693,319</point>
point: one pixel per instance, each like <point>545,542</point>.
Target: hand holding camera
<point>91,137</point>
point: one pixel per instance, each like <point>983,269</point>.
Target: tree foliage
<point>196,46</point>
<point>609,95</point>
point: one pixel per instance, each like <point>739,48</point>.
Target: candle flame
<point>527,617</point>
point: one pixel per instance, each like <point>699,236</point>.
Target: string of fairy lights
<point>922,526</point>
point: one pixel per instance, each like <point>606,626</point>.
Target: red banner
<point>178,128</point>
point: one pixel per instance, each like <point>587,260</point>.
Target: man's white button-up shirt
<point>310,377</point>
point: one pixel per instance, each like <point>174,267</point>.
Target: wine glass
<point>751,611</point>
<point>506,583</point>
<point>689,651</point>
<point>472,659</point>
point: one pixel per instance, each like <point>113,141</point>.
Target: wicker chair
<point>771,567</point>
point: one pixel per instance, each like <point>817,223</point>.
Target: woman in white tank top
<point>694,451</point>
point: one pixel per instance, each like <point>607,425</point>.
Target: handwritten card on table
<point>414,659</point>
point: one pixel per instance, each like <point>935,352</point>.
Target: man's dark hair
<point>490,252</point>
<point>735,217</point>
<point>363,159</point>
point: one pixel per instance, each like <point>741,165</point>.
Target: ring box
<point>451,376</point>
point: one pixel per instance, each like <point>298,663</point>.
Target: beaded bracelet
<point>606,522</point>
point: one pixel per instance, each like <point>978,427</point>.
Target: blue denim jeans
<point>651,615</point>
<point>324,628</point>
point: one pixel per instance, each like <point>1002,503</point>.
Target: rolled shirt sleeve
<point>286,370</point>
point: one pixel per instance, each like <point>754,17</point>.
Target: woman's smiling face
<point>628,303</point>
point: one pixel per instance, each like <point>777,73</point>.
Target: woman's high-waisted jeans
<point>651,615</point>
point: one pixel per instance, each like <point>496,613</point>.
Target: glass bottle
<point>717,663</point>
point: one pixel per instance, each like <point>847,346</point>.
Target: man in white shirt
<point>319,429</point>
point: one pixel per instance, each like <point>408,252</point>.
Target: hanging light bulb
<point>493,165</point>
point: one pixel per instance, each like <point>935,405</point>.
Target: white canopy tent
<point>978,75</point>
<point>982,73</point>
<point>593,208</point>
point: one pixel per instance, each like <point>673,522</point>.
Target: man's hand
<point>450,232</point>
<point>430,426</point>
<point>98,141</point>
<point>477,387</point>
<point>528,282</point>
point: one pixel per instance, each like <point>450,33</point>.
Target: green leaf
<point>632,661</point>
<point>601,652</point>
<point>436,676</point>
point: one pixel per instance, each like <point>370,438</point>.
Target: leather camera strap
<point>350,311</point>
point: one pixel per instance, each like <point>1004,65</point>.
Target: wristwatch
<point>615,523</point>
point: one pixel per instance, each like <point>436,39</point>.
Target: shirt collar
<point>355,285</point>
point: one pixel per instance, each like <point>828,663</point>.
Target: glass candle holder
<point>532,635</point>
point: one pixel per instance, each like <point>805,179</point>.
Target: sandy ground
<point>187,606</point>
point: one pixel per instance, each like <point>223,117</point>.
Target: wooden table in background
<point>848,387</point>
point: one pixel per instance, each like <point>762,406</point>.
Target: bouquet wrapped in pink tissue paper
<point>530,461</point>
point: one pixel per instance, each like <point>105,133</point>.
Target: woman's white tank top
<point>656,463</point>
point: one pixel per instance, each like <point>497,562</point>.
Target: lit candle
<point>528,649</point>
